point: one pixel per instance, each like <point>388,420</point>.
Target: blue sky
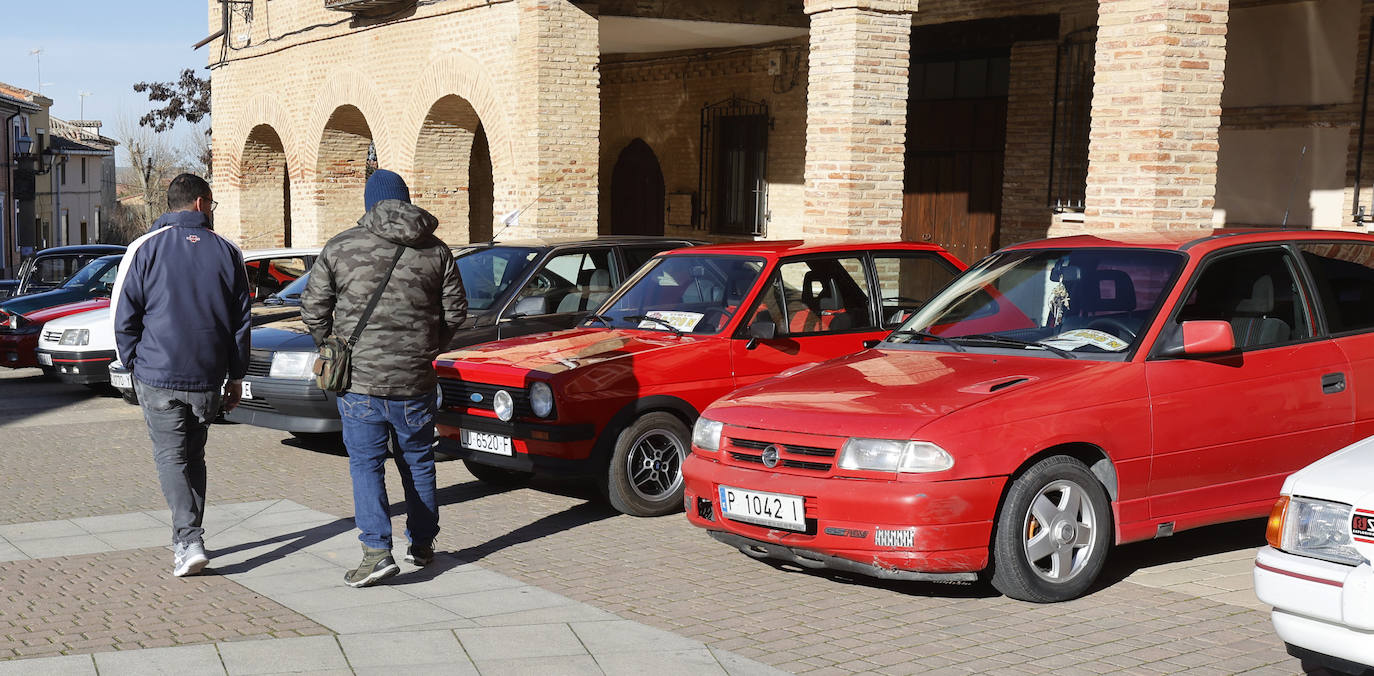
<point>102,47</point>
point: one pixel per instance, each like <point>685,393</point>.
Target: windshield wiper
<point>600,318</point>
<point>930,336</point>
<point>656,320</point>
<point>1016,342</point>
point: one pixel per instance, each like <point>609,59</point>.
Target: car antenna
<point>513,217</point>
<point>1291,185</point>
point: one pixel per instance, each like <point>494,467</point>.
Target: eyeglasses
<point>213,204</point>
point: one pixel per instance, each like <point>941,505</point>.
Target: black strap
<point>372,304</point>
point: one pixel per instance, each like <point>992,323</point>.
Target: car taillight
<point>1273,532</point>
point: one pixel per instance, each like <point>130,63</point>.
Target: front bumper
<point>546,448</point>
<point>78,368</point>
<point>1324,609</point>
<point>17,350</point>
<point>950,521</point>
<point>290,405</point>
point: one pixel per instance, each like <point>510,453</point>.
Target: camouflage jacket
<point>420,308</point>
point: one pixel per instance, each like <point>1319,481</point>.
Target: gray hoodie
<point>418,313</point>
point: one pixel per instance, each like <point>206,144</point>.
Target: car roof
<point>113,257</point>
<point>1192,241</point>
<point>791,247</point>
<point>81,249</point>
<point>538,242</point>
<point>253,254</point>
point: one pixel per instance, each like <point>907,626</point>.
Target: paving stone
<point>178,661</point>
<point>622,636</point>
<point>309,654</point>
<point>70,665</point>
<point>403,651</point>
<point>571,665</point>
<point>386,617</point>
<point>487,644</point>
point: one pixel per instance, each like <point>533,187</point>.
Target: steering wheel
<point>1113,326</point>
<point>713,319</point>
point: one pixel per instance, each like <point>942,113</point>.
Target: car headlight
<point>706,434</point>
<point>503,405</point>
<point>75,337</point>
<point>293,365</point>
<point>891,455</point>
<point>9,321</point>
<point>1316,528</point>
<point>541,399</point>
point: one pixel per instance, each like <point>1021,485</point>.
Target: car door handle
<point>1333,383</point>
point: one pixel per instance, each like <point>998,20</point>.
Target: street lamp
<point>28,166</point>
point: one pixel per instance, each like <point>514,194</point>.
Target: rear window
<point>1344,274</point>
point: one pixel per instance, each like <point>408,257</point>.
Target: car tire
<point>644,477</point>
<point>497,476</point>
<point>1040,552</point>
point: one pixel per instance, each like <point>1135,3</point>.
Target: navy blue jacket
<point>181,306</point>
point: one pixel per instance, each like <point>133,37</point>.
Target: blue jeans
<point>370,424</point>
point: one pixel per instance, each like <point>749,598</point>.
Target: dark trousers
<point>178,424</point>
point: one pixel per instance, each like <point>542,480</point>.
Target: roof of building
<point>68,146</point>
<point>16,92</point>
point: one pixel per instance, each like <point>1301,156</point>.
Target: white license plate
<point>765,509</point>
<point>123,380</point>
<point>487,443</point>
<point>247,390</point>
<point>44,359</point>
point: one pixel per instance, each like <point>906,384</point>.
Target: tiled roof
<point>16,92</point>
<point>66,145</point>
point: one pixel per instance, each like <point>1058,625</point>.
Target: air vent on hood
<point>997,385</point>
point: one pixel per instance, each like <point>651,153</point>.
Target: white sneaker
<point>188,559</point>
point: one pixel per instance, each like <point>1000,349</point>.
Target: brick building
<point>973,123</point>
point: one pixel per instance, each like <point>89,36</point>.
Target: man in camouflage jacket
<point>392,392</point>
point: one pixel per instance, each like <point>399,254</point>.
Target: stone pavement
<point>1179,605</point>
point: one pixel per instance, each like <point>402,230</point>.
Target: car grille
<point>260,363</point>
<point>52,336</point>
<point>790,456</point>
<point>257,405</point>
<point>460,393</point>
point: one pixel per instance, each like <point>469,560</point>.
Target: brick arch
<point>341,170</point>
<point>348,88</point>
<point>452,175</point>
<point>238,182</point>
<point>263,177</point>
<point>456,73</point>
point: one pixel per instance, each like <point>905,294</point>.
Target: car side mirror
<point>1200,338</point>
<point>872,343</point>
<point>529,305</point>
<point>761,329</point>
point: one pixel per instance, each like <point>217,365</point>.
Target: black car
<point>49,268</point>
<point>513,288</point>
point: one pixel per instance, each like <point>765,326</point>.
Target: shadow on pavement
<point>329,443</point>
<point>290,543</point>
<point>1126,560</point>
<point>960,590</point>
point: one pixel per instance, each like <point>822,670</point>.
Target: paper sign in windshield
<point>682,321</point>
<point>1072,340</point>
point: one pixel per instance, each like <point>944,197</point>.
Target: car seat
<point>593,286</point>
<point>821,307</point>
<point>1251,320</point>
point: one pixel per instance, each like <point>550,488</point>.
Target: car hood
<point>23,305</point>
<point>561,351</point>
<point>891,394</point>
<point>50,313</point>
<point>284,334</point>
<point>1340,477</point>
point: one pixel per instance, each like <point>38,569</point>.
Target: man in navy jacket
<point>181,318</point>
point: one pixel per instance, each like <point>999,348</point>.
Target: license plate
<point>44,359</point>
<point>123,380</point>
<point>487,443</point>
<point>247,390</point>
<point>765,509</point>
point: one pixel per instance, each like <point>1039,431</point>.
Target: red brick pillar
<point>855,120</point>
<point>559,111</point>
<point>1152,157</point>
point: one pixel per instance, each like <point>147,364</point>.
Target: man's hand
<point>233,392</point>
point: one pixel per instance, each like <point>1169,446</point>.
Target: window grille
<point>734,157</point>
<point>1073,89</point>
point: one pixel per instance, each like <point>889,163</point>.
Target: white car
<point>1316,571</point>
<point>79,348</point>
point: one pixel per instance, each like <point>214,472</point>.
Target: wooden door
<point>637,192</point>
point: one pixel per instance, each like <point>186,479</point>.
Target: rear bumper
<point>17,350</point>
<point>950,521</point>
<point>562,450</point>
<point>80,368</point>
<point>290,405</point>
<point>1324,609</point>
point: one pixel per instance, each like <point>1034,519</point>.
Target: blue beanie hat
<point>385,185</point>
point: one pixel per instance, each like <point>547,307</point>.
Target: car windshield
<point>488,272</point>
<point>682,294</point>
<point>102,272</point>
<point>1065,302</point>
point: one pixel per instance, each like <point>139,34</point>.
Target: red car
<point>18,345</point>
<point>1059,397</point>
<point>615,398</point>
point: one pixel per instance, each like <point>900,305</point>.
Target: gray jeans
<point>178,424</point>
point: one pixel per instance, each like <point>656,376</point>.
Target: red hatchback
<point>1059,397</point>
<point>615,398</point>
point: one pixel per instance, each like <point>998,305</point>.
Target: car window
<point>489,271</point>
<point>906,281</point>
<point>824,295</point>
<point>1344,276</point>
<point>275,274</point>
<point>53,270</point>
<point>637,256</point>
<point>570,282</point>
<point>683,293</point>
<point>1257,293</point>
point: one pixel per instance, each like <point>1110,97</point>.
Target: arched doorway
<point>453,175</point>
<point>265,192</point>
<point>342,171</point>
<point>637,192</point>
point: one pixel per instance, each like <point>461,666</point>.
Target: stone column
<point>855,120</point>
<point>558,50</point>
<point>1152,153</point>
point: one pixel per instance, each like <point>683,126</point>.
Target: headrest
<point>817,286</point>
<point>600,279</point>
<point>1261,299</point>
